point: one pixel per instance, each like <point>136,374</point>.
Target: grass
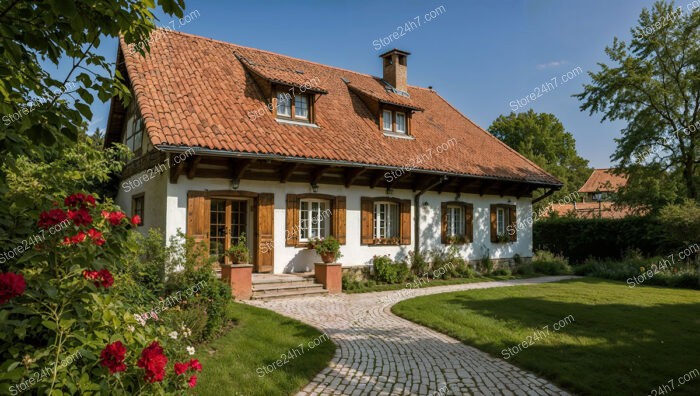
<point>233,362</point>
<point>430,283</point>
<point>622,340</point>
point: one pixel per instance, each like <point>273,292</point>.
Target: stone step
<point>276,294</point>
<point>284,280</point>
<point>267,287</point>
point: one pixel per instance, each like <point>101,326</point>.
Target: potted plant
<point>327,248</point>
<point>238,253</point>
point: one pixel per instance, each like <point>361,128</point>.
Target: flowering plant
<point>57,303</point>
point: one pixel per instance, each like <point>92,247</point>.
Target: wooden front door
<point>228,223</point>
<point>219,218</point>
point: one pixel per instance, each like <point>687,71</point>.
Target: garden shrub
<point>524,269</point>
<point>386,270</point>
<point>547,263</point>
<point>419,264</point>
<point>578,239</point>
<point>58,311</point>
<point>501,272</point>
<point>634,271</point>
<point>681,222</point>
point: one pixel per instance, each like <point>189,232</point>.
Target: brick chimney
<point>395,68</point>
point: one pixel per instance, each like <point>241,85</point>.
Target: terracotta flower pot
<point>328,257</point>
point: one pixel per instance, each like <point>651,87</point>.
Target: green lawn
<point>432,282</point>
<point>233,362</point>
<point>621,341</point>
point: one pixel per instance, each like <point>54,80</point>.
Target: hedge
<point>579,239</point>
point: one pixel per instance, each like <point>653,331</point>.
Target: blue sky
<point>480,55</point>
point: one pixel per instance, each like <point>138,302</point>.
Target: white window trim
<point>306,99</point>
<point>289,98</point>
<point>455,220</point>
<point>500,221</point>
<point>391,120</point>
<point>320,218</point>
<point>403,131</point>
<point>390,226</point>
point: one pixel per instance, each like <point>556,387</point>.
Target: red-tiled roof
<point>591,210</point>
<point>194,91</point>
<point>603,180</point>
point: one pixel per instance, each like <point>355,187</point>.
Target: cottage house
<point>231,140</point>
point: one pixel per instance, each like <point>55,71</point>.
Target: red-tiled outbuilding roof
<point>198,92</point>
<point>603,180</point>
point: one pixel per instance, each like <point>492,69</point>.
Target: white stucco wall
<point>290,259</point>
<point>153,183</point>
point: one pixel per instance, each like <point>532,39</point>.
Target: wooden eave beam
<point>377,176</point>
<point>176,171</point>
<point>286,171</point>
<point>316,174</point>
<point>351,174</point>
<point>238,168</point>
<point>192,166</point>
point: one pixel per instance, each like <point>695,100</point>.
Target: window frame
<point>289,100</point>
<point>131,133</point>
<point>391,227</point>
<point>326,221</point>
<point>391,120</point>
<point>396,122</point>
<point>139,198</point>
<point>501,215</point>
<point>292,116</point>
<point>456,218</point>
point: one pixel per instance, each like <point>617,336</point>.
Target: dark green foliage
<point>419,264</point>
<point>549,264</point>
<point>386,270</point>
<point>501,272</point>
<point>195,318</point>
<point>680,275</point>
<point>542,138</point>
<point>523,269</point>
<point>579,239</point>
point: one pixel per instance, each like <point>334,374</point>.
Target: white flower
<point>141,319</point>
<point>173,335</point>
<point>190,350</point>
<point>131,328</point>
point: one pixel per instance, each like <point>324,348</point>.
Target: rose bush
<point>56,302</point>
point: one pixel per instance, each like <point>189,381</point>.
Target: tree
<point>654,85</point>
<point>541,138</point>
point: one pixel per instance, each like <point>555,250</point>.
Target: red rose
<point>11,285</point>
<point>192,381</point>
<point>136,220</point>
<point>77,238</point>
<point>96,237</point>
<point>112,357</point>
<point>115,218</point>
<point>79,199</point>
<point>153,361</point>
<point>80,217</point>
<point>105,278</point>
<point>51,218</point>
<point>194,364</point>
<point>101,278</point>
<point>180,368</point>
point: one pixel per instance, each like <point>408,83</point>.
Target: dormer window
<point>133,130</point>
<point>395,122</point>
<point>294,106</point>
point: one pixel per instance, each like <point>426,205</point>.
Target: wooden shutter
<point>292,221</point>
<point>265,232</point>
<point>443,223</point>
<point>339,219</point>
<point>513,230</point>
<point>366,221</point>
<point>469,223</point>
<point>494,229</point>
<point>405,221</point>
<point>198,205</point>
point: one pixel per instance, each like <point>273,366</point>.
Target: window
<point>395,121</point>
<point>313,219</point>
<point>294,106</point>
<point>455,221</point>
<point>400,122</point>
<point>386,220</point>
<point>134,133</point>
<point>386,117</point>
<point>500,221</point>
<point>301,107</point>
<point>137,206</point>
<point>284,105</point>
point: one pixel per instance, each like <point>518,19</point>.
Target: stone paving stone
<point>381,354</point>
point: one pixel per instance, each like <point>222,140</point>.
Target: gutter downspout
<point>416,203</point>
